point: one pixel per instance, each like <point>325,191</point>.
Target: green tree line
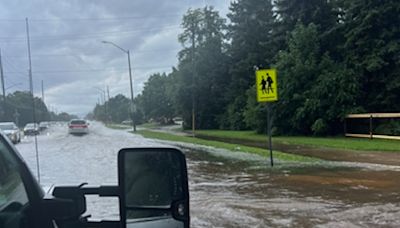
<point>18,108</point>
<point>333,57</point>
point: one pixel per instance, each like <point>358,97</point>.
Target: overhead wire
<point>91,70</point>
<point>88,19</point>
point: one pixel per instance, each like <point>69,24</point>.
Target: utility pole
<point>16,117</point>
<point>2,79</point>
<point>193,80</point>
<point>3,111</point>
<point>109,112</point>
<point>133,106</point>
<point>42,92</point>
<point>33,97</point>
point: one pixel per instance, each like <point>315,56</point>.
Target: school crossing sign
<point>266,84</point>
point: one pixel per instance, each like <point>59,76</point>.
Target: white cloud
<point>72,51</point>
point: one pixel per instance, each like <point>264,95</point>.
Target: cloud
<point>67,53</point>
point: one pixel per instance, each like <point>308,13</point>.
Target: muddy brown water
<point>231,189</point>
<point>227,192</point>
<point>332,154</point>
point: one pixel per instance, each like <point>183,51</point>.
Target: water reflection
<point>226,192</point>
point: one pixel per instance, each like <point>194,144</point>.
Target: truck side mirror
<point>153,188</point>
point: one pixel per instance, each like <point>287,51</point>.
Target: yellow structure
<point>266,84</point>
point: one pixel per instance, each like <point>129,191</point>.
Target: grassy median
<point>331,142</point>
<point>228,146</point>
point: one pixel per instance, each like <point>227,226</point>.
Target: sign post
<point>267,91</point>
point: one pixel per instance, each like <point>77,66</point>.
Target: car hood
<point>7,132</point>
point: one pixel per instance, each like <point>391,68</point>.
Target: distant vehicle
<point>12,131</point>
<point>127,122</point>
<point>43,126</point>
<point>78,126</point>
<point>31,129</point>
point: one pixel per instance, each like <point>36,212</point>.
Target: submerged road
<point>230,189</point>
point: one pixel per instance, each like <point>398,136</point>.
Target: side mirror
<point>153,188</point>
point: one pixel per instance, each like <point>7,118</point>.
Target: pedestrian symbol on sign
<point>266,85</point>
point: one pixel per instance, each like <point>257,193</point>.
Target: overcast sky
<point>67,52</point>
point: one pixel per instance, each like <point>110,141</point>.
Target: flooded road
<point>232,189</point>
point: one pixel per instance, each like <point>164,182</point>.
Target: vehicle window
<point>7,127</point>
<point>78,122</point>
<point>12,190</point>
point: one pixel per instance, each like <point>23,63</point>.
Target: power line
<point>91,70</point>
<point>86,36</point>
<point>20,75</point>
<point>76,56</point>
<point>89,19</point>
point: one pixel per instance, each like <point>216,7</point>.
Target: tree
<point>21,102</point>
<point>155,101</point>
<point>251,45</point>
<point>372,50</point>
<point>118,109</point>
<point>202,69</point>
<point>315,91</point>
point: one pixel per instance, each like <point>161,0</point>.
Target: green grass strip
<point>118,126</point>
<point>330,142</point>
<point>228,146</point>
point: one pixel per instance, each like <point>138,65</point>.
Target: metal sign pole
<point>267,91</point>
<point>269,134</point>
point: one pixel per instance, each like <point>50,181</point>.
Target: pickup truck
<point>152,191</point>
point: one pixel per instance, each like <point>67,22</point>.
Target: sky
<point>67,50</point>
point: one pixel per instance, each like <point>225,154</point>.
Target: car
<point>31,129</point>
<point>24,203</point>
<point>12,131</point>
<point>43,126</point>
<point>127,122</point>
<point>78,126</point>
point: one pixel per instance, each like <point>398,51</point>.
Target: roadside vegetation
<point>118,126</point>
<point>17,107</point>
<point>330,142</point>
<point>228,146</point>
<point>332,58</point>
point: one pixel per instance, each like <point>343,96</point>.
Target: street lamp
<point>130,79</point>
<point>103,92</point>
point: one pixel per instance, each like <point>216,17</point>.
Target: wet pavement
<point>231,189</point>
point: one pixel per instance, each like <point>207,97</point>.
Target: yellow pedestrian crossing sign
<point>266,84</point>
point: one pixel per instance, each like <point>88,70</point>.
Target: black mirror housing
<point>153,186</point>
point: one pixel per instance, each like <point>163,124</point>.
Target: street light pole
<point>132,108</point>
<point>130,82</point>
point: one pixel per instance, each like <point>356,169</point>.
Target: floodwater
<point>231,189</point>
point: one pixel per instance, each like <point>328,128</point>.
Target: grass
<point>118,126</point>
<point>149,125</point>
<point>228,146</point>
<point>331,142</point>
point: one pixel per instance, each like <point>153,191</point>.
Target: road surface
<point>230,189</point>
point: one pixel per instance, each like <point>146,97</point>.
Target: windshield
<point>288,111</point>
<point>6,127</point>
<point>78,122</point>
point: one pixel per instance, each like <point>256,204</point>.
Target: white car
<point>78,126</point>
<point>12,131</point>
<point>31,129</point>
